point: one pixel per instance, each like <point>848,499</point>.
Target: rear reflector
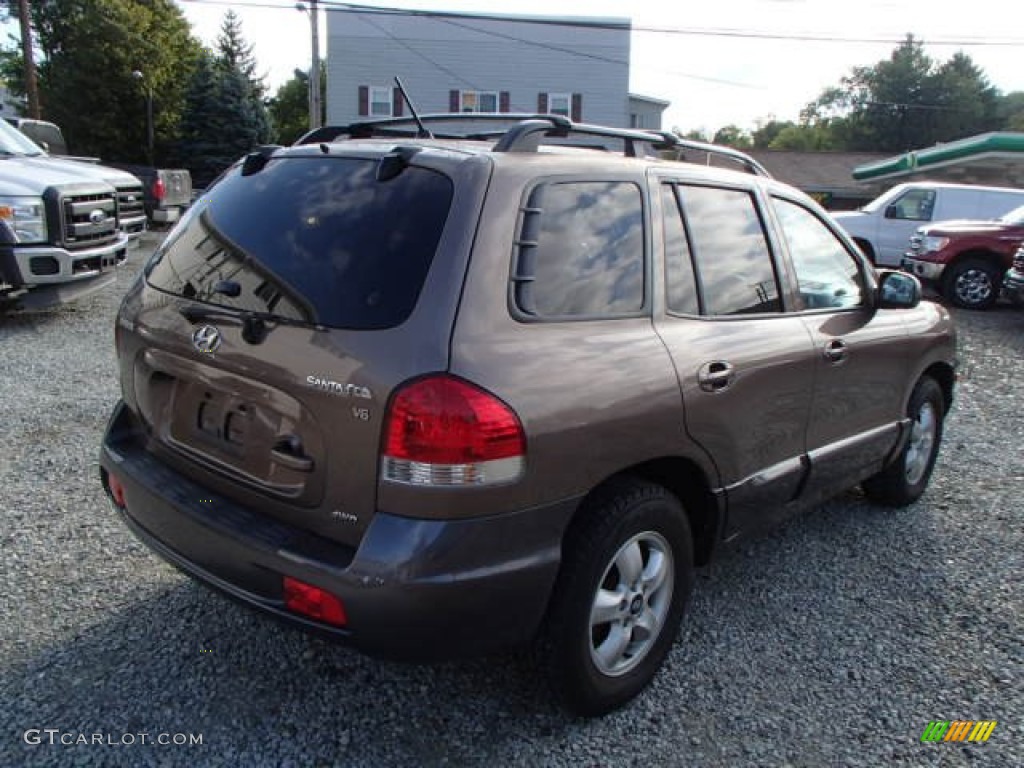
<point>444,431</point>
<point>116,489</point>
<point>313,602</point>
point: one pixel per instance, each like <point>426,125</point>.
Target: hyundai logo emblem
<point>206,339</point>
<point>97,216</point>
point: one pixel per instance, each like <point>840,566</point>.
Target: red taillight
<point>159,189</point>
<point>313,602</point>
<point>116,489</point>
<point>445,431</point>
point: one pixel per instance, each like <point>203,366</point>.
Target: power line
<point>449,72</point>
<point>334,6</point>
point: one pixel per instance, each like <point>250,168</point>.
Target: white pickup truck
<point>64,225</point>
<point>883,227</point>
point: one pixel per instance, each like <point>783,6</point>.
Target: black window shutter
<point>504,101</point>
<point>542,103</point>
<point>577,107</point>
<point>364,100</point>
<point>453,101</point>
<point>396,102</point>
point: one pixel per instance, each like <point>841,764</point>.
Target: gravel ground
<point>831,642</point>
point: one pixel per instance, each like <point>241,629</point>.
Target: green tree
<point>804,138</point>
<point>1010,111</point>
<point>906,101</point>
<point>696,134</point>
<point>234,57</point>
<point>289,109</point>
<point>90,48</point>
<point>965,101</point>
<point>732,136</point>
<point>767,131</point>
<point>222,120</point>
<point>234,52</point>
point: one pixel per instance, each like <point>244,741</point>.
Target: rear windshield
<point>318,240</point>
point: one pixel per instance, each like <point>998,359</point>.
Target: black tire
<point>629,519</point>
<point>903,481</point>
<point>973,284</point>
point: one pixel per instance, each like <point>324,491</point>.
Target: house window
<point>478,101</point>
<point>380,101</point>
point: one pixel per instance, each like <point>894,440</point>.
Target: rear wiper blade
<point>254,324</point>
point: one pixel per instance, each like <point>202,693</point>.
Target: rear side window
<point>581,251</point>
<point>730,249</point>
<point>319,240</point>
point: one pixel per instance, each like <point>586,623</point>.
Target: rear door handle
<point>716,375</point>
<point>835,351</point>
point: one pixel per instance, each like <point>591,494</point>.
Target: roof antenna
<point>422,133</point>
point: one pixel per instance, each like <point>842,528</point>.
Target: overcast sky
<point>711,80</point>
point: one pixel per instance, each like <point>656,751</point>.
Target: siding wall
<point>648,114</point>
<point>434,56</point>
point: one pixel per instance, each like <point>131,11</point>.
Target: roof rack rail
<point>728,153</point>
<point>526,134</point>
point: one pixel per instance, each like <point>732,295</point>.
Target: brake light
<point>442,430</point>
<point>313,602</point>
<point>159,189</point>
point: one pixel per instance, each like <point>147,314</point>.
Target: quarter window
<point>827,274</point>
<point>733,261</point>
<point>581,251</point>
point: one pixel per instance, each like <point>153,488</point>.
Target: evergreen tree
<point>222,120</point>
<point>233,52</point>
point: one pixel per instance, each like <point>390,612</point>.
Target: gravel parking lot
<point>832,641</point>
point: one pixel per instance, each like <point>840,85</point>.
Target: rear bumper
<point>926,270</point>
<point>166,215</point>
<point>413,589</point>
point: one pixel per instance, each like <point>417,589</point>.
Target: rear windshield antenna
<point>423,132</point>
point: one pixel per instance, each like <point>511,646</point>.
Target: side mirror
<point>893,211</point>
<point>897,290</point>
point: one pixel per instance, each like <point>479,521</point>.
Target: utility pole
<point>31,82</point>
<point>149,113</point>
<point>314,72</point>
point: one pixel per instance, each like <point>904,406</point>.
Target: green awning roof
<point>1010,145</point>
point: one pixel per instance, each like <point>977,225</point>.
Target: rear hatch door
<point>277,318</point>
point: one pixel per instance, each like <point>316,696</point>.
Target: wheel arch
<point>945,377</point>
<point>684,479</point>
<point>984,254</point>
<point>979,254</point>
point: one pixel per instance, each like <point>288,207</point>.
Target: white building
<point>577,67</point>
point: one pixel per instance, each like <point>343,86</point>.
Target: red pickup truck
<point>966,260</point>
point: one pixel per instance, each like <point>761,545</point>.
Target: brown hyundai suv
<point>445,395</point>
